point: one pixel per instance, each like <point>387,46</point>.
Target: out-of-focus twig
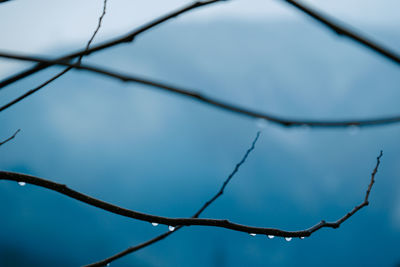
<point>342,30</point>
<point>34,90</point>
<point>127,38</point>
<point>282,121</point>
<point>10,138</point>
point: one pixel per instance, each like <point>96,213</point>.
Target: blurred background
<point>158,153</point>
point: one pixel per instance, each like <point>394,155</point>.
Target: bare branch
<point>178,223</point>
<point>131,36</point>
<point>196,215</point>
<point>288,122</point>
<point>96,30</point>
<point>10,138</point>
<point>235,170</point>
<point>341,30</point>
<point>63,189</point>
<point>337,223</point>
<point>34,90</point>
<point>127,38</point>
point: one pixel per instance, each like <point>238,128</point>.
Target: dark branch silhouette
<point>175,222</point>
<point>127,38</point>
<point>97,29</point>
<point>288,122</point>
<point>34,90</point>
<point>196,215</point>
<point>341,30</point>
<point>337,223</point>
<point>312,229</point>
<point>10,138</point>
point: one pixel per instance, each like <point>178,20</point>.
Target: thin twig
<point>337,223</point>
<point>34,90</point>
<point>96,30</point>
<point>288,122</point>
<point>127,38</point>
<point>341,30</point>
<point>10,138</point>
<point>63,189</point>
<point>196,215</point>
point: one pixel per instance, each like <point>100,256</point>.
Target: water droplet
<point>354,129</point>
<point>271,236</point>
<point>302,237</point>
<point>252,234</point>
<point>261,123</point>
<point>22,183</point>
<point>108,264</point>
<point>288,239</point>
<point>305,127</point>
<point>171,228</point>
<point>154,224</point>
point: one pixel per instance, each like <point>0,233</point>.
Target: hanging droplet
<point>261,123</point>
<point>22,183</point>
<point>171,228</point>
<point>305,127</point>
<point>302,237</point>
<point>108,264</point>
<point>154,224</point>
<point>288,239</point>
<point>271,236</point>
<point>354,129</point>
<point>252,234</point>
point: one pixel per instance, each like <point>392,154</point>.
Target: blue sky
<point>158,153</point>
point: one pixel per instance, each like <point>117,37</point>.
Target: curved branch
<point>34,90</point>
<point>196,215</point>
<point>96,30</point>
<point>127,38</point>
<point>63,189</point>
<point>346,31</point>
<point>10,138</point>
<point>288,122</point>
<point>337,223</point>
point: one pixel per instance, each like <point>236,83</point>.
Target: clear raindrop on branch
<point>154,223</point>
<point>288,239</point>
<point>261,123</point>
<point>305,127</point>
<point>270,236</point>
<point>353,129</point>
<point>22,183</point>
<point>252,234</point>
<point>171,228</point>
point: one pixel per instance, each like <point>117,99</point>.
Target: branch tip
<point>10,138</point>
